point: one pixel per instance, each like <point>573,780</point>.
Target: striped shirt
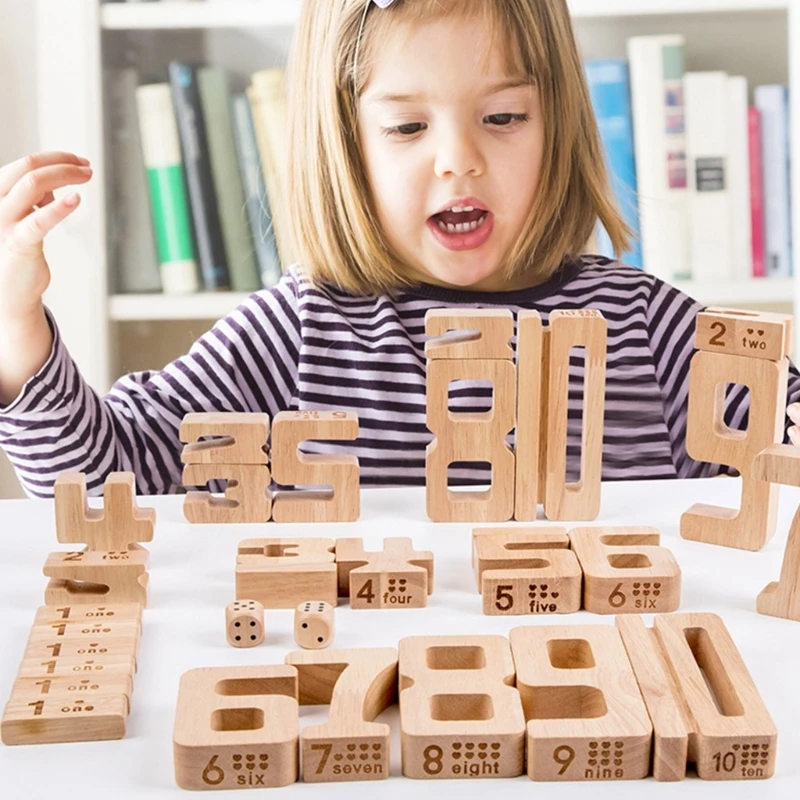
<point>296,346</point>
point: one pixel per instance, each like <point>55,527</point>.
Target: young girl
<point>441,154</point>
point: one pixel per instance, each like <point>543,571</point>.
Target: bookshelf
<point>252,34</point>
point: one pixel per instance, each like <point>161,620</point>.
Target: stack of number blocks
<point>76,677</point>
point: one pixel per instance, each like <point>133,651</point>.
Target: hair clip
<point>383,3</point>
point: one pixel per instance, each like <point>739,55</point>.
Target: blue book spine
<point>609,88</point>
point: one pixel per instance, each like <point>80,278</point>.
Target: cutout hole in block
<point>717,680</point>
<point>85,589</point>
<point>528,546</point>
<point>565,702</point>
<point>458,476</point>
<point>629,561</point>
<point>467,396</point>
<point>256,687</point>
<point>461,707</point>
<point>730,398</point>
<point>630,540</point>
<point>237,719</point>
<point>455,657</point>
<point>570,654</point>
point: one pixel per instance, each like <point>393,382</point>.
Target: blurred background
<point>691,97</point>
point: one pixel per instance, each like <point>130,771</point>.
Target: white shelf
<point>205,305</point>
<point>748,292</point>
<point>186,14</point>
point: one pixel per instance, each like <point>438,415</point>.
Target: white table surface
<point>192,580</point>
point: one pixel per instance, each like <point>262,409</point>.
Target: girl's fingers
<point>46,200</point>
<point>12,173</point>
<point>32,230</point>
<point>34,186</point>
<point>793,411</point>
<point>794,435</point>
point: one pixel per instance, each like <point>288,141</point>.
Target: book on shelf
<point>756,192</point>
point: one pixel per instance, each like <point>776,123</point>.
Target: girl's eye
<point>498,120</point>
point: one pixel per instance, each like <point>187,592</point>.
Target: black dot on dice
<point>305,624</point>
<point>238,638</point>
<point>237,624</point>
<point>252,624</point>
<point>319,639</point>
<point>253,638</point>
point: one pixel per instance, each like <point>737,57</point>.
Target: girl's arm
<point>57,423</point>
<point>671,321</point>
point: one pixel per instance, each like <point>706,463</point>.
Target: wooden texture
<point>236,438</point>
<point>340,499</point>
<point>458,333</point>
<point>115,526</point>
<point>237,728</point>
<point>528,437</point>
<point>282,573</point>
<point>244,623</point>
<point>80,614</point>
<point>470,437</point>
<point>358,685</point>
<point>586,717</point>
<point>732,734</point>
<point>709,439</point>
<point>314,624</point>
<point>460,716</point>
<point>551,584</point>
<point>512,548</point>
<point>744,333</point>
<point>671,729</point>
<point>396,577</point>
<point>93,576</point>
<point>246,499</point>
<point>780,464</point>
<point>578,500</point>
<point>626,571</point>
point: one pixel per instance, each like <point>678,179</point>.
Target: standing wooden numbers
<point>737,348</point>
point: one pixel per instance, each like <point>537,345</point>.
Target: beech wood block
<point>709,439</point>
<point>314,624</point>
<point>469,333</point>
<point>238,438</point>
<point>94,666</point>
<point>79,614</point>
<point>350,746</point>
<point>671,728</point>
<point>79,687</point>
<point>626,571</point>
<point>586,717</point>
<point>246,499</point>
<point>474,437</point>
<point>528,438</point>
<point>89,631</point>
<point>732,734</point>
<point>282,573</point>
<point>512,548</point>
<point>236,728</point>
<point>579,500</point>
<point>396,577</point>
<point>50,651</point>
<point>754,334</point>
<point>244,623</point>
<point>460,715</point>
<point>115,526</point>
<point>29,719</point>
<point>339,503</point>
<point>551,586</point>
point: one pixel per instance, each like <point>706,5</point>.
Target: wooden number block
<point>568,329</point>
<point>468,333</point>
<point>470,437</point>
<point>314,624</point>
<point>79,614</point>
<point>754,334</point>
<point>29,719</point>
<point>92,576</point>
<point>89,631</point>
<point>780,464</point>
<point>50,651</point>
<point>117,525</point>
<point>671,728</point>
<point>235,438</point>
<point>358,685</point>
<point>529,437</point>
<point>586,718</point>
<point>550,585</point>
<point>244,623</point>
<point>96,666</point>
<point>709,439</point>
<point>282,573</point>
<point>626,571</point>
<point>460,716</point>
<point>290,467</point>
<point>396,577</point>
<point>80,687</point>
<point>236,728</point>
<point>512,548</point>
<point>732,734</point>
<point>246,497</point>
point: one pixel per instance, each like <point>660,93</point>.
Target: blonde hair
<point>331,221</point>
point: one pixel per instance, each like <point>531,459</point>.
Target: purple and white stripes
<point>297,347</point>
